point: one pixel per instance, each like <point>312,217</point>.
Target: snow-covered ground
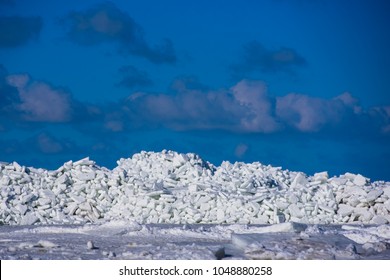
<point>177,206</point>
<point>125,240</point>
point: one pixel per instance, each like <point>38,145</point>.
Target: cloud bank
<point>246,107</point>
<point>105,23</point>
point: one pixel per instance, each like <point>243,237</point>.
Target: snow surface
<point>177,206</point>
<point>130,240</point>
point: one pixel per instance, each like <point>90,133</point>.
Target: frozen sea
<point>120,240</point>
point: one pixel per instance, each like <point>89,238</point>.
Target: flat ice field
<point>124,240</point>
<point>177,206</point>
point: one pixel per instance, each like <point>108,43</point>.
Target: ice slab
<point>242,240</point>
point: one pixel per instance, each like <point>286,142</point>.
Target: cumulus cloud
<point>259,106</point>
<point>257,58</point>
<point>186,108</point>
<point>105,23</point>
<point>245,108</point>
<point>40,102</point>
<point>25,100</point>
<point>132,77</point>
<point>16,31</point>
<point>311,114</point>
<point>307,113</point>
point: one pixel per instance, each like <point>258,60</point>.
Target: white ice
<point>172,205</point>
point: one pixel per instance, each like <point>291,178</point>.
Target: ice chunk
<point>345,210</point>
<point>21,208</point>
<point>77,199</point>
<point>29,219</point>
<point>386,191</point>
<point>63,179</point>
<point>387,205</point>
<point>84,161</point>
<point>374,194</point>
<point>27,198</point>
<point>86,206</point>
<point>179,160</point>
<point>91,245</point>
<point>350,176</point>
<point>44,201</point>
<point>364,213</point>
<point>361,237</point>
<point>220,215</point>
<point>299,181</point>
<point>359,180</point>
<point>379,220</point>
<point>357,191</point>
<point>377,247</point>
<point>86,176</point>
<point>193,188</point>
<point>281,204</point>
<point>283,227</point>
<point>46,244</point>
<point>48,194</point>
<point>295,211</point>
<point>243,240</point>
<point>321,176</point>
<point>292,198</point>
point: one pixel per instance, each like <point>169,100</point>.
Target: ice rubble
<point>169,187</point>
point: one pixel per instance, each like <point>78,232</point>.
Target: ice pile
<point>169,187</point>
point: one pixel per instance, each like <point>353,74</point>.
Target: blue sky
<point>299,84</point>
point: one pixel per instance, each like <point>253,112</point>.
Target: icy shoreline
<point>173,188</point>
<point>126,240</point>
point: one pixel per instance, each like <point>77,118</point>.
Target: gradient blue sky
<point>299,84</point>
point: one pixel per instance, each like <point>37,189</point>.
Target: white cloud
<point>259,108</point>
<point>247,108</point>
<point>19,80</point>
<point>308,114</point>
<point>39,101</point>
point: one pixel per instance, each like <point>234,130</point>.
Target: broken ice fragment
<point>374,194</point>
<point>359,180</point>
<point>29,219</point>
<point>345,210</point>
<point>90,245</point>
